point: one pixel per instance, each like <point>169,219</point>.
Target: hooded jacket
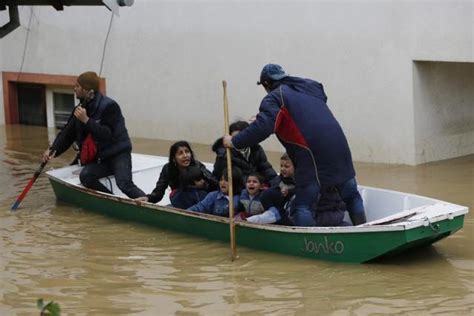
<point>256,162</point>
<point>296,111</point>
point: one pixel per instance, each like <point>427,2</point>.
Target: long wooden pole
<point>233,247</point>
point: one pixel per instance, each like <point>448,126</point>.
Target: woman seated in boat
<point>217,202</point>
<point>181,158</point>
<point>248,160</point>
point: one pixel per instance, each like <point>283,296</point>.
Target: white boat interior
<point>382,206</point>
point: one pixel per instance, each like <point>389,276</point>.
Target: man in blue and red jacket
<point>295,110</point>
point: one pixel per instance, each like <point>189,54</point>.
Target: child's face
<point>253,185</point>
<point>224,185</point>
<point>183,157</point>
<point>286,168</point>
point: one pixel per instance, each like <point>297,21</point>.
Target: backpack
<point>88,150</point>
<point>331,208</point>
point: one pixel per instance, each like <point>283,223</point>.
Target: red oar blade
<point>23,194</point>
<point>28,187</point>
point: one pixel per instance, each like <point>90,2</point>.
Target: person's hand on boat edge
<point>142,199</point>
<point>241,216</point>
<point>227,141</point>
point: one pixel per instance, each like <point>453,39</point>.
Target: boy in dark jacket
<point>248,160</point>
<point>329,211</point>
<point>278,197</point>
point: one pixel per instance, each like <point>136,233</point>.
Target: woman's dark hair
<point>237,179</point>
<point>172,167</point>
<point>238,126</point>
<point>174,149</point>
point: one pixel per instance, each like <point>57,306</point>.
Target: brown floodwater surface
<point>95,265</point>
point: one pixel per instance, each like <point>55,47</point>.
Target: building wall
<point>165,61</point>
<point>444,110</point>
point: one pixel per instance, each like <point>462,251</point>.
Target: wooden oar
<point>29,185</point>
<point>229,177</point>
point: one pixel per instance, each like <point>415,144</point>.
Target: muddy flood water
<point>95,265</point>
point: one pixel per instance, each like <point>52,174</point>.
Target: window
<point>63,104</point>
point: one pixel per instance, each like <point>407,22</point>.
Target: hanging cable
<point>26,44</point>
<point>105,43</point>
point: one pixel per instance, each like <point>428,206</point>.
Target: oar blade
<point>23,194</point>
<point>28,186</point>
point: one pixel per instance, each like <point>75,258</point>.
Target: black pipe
<point>121,3</point>
<point>57,4</point>
<point>14,21</point>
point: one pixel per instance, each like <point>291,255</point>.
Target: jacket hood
<point>306,86</point>
<point>219,143</point>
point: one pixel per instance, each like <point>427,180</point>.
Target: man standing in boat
<point>295,110</point>
<point>98,128</point>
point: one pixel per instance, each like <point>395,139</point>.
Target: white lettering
<point>327,247</point>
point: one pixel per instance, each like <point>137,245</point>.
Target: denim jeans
<point>302,211</point>
<point>351,196</point>
<point>186,199</point>
<point>306,196</point>
<point>120,166</point>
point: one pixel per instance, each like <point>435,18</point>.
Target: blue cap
<point>272,72</point>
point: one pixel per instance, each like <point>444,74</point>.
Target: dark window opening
<point>31,104</point>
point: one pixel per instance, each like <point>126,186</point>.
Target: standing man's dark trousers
<point>120,166</point>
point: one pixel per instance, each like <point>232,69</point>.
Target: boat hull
<point>338,244</point>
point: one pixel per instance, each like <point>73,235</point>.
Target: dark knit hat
<point>89,80</point>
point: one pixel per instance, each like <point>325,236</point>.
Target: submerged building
<point>399,75</point>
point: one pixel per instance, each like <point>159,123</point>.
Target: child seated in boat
<point>193,188</point>
<point>250,197</point>
<point>248,160</point>
<point>217,202</point>
<point>278,197</point>
<point>181,158</point>
<point>250,206</point>
<point>329,210</point>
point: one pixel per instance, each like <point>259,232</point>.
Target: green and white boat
<point>397,221</point>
